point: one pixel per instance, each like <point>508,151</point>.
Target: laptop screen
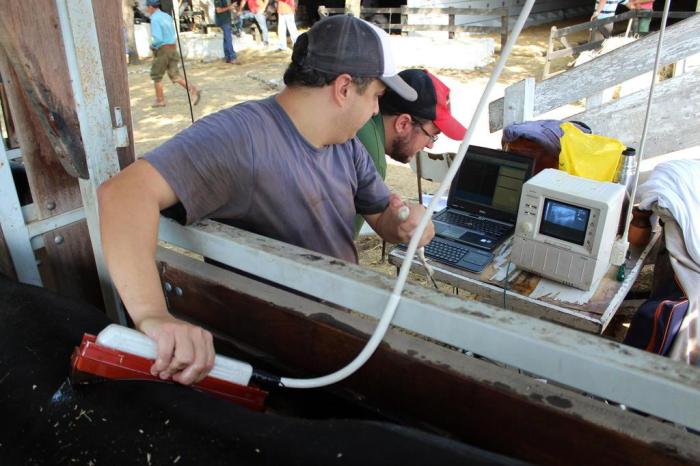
<point>489,183</point>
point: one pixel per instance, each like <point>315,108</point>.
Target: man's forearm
<point>386,226</point>
<point>129,229</point>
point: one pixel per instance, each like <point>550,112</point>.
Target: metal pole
<point>647,116</point>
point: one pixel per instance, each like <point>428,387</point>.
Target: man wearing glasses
<point>402,128</point>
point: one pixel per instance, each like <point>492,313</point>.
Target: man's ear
<point>403,123</point>
<point>341,88</point>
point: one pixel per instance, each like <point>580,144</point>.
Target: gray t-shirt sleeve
<point>372,196</point>
<point>209,165</point>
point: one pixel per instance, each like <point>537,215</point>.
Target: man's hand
<point>185,352</point>
<point>395,227</point>
<point>407,224</point>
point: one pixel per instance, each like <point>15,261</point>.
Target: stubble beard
<point>400,149</point>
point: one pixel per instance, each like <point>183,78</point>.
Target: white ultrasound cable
<point>395,296</point>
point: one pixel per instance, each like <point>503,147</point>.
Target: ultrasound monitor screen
<point>491,182</point>
<point>564,221</point>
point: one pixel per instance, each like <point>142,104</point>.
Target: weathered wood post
<point>352,7</point>
<point>45,113</point>
<point>451,23</point>
<point>550,49</point>
<point>404,20</point>
<point>504,27</point>
<point>519,102</point>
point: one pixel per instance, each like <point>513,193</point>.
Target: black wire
<point>182,60</point>
<point>266,380</point>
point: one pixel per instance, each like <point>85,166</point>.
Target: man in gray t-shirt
<point>288,167</point>
<point>282,186</point>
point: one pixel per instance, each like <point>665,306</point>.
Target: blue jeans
<point>229,53</point>
<point>259,18</point>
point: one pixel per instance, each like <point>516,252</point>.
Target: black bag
<point>655,325</point>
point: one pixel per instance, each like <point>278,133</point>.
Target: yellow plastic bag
<point>589,155</point>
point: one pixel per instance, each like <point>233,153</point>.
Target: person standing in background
<point>603,9</point>
<point>165,56</point>
<point>643,23</point>
<point>223,20</point>
<point>257,8</point>
<point>285,20</point>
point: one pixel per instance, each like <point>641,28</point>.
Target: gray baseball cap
<point>345,44</point>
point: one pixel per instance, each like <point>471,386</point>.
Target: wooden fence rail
<point>570,50</point>
<point>676,107</point>
<point>489,13</point>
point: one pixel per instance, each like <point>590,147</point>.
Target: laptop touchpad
<point>449,231</point>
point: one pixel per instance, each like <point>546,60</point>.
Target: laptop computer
<point>482,208</point>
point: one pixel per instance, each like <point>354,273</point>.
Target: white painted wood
<point>594,100</point>
<point>645,429</point>
<point>92,106</point>
<point>13,227</point>
<point>519,101</point>
<point>29,212</point>
<point>14,154</point>
<point>531,304</point>
<point>39,227</point>
<point>675,121</point>
<point>494,295</point>
<point>641,380</point>
<point>682,39</point>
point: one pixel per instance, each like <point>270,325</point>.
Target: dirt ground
<point>260,75</point>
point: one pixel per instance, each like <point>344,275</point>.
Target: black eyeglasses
<point>433,137</point>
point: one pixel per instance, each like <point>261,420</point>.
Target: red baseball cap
<point>433,102</point>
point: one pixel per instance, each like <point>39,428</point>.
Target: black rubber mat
<point>45,420</point>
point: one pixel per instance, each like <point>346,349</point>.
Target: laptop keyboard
<point>480,225</point>
<point>444,252</point>
<point>460,256</point>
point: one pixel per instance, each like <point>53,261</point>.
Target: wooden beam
<point>7,119</point>
<point>454,11</point>
<point>35,56</point>
<point>449,28</point>
<point>110,35</point>
<point>610,370</point>
<point>352,7</point>
<point>476,401</point>
<point>608,70</point>
<point>675,111</point>
<point>34,67</point>
<point>519,101</point>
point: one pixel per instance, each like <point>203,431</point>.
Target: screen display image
<point>491,182</point>
<point>564,221</point>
